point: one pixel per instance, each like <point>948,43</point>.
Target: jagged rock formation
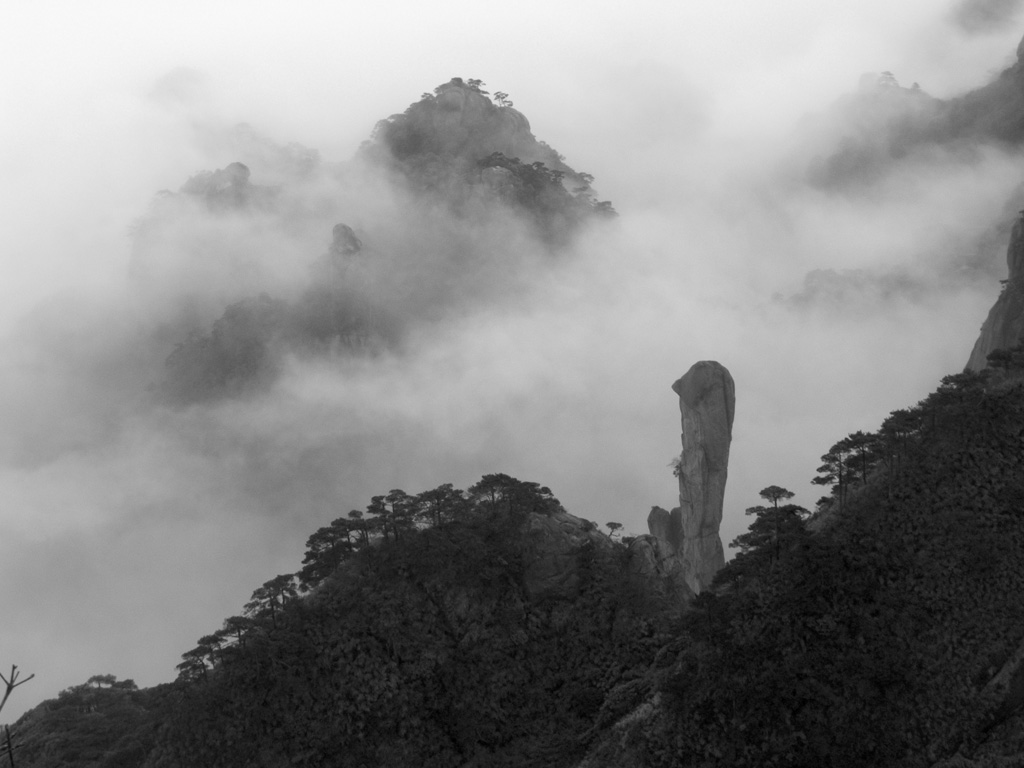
<point>1004,326</point>
<point>684,546</point>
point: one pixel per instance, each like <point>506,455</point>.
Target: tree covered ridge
<point>890,633</point>
<point>423,638</point>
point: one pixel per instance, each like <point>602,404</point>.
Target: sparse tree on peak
<point>774,493</point>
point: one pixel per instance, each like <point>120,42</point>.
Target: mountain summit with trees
<point>480,201</point>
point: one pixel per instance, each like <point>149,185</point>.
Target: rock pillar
<point>707,401</point>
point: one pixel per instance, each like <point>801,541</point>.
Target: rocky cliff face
<point>1004,326</point>
<point>684,545</point>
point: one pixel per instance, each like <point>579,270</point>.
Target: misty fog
<point>131,525</point>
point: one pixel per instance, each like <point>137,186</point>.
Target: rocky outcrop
<point>658,555</point>
<point>684,548</point>
<point>666,526</point>
<point>552,562</point>
<point>1004,326</point>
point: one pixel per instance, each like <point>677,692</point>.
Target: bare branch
<point>11,683</point>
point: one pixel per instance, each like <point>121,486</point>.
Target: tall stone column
<point>707,401</point>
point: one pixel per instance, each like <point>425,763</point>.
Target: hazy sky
<point>128,530</point>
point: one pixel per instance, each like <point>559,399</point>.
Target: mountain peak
<point>460,120</point>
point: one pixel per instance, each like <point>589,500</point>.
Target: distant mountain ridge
<point>883,122</point>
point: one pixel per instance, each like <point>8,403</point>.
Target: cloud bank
<point>985,16</point>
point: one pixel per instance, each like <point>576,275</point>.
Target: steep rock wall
<point>1004,326</point>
